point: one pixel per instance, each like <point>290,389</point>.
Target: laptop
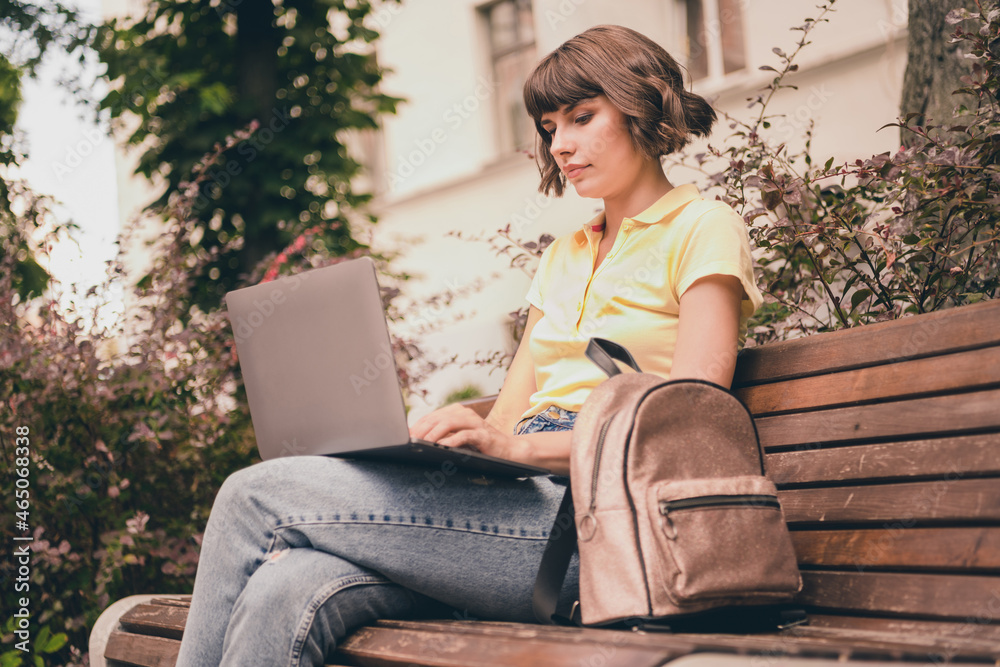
<point>320,374</point>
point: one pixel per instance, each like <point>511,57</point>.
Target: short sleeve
<point>717,243</point>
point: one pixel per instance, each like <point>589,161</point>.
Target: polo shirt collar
<point>665,206</point>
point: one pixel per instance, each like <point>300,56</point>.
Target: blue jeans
<point>300,551</point>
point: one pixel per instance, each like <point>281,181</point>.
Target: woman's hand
<point>458,426</point>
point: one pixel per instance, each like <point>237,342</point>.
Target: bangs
<point>557,81</point>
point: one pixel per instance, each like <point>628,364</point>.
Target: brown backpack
<point>673,514</point>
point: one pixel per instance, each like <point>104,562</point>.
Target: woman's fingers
<point>453,426</point>
<point>458,426</point>
<point>447,420</point>
<point>483,439</point>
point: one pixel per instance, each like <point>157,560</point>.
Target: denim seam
<point>456,529</point>
<point>321,598</point>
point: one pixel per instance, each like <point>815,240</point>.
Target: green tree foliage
<point>301,72</point>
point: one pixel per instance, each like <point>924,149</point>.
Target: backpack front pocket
<point>720,538</point>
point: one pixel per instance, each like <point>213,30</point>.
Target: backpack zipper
<point>753,499</point>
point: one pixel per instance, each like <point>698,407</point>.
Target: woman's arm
<point>456,425</point>
<point>708,330</point>
<point>519,384</point>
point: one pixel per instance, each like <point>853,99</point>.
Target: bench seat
<point>884,442</point>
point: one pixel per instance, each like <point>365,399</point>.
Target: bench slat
<point>954,414</point>
<point>936,648</point>
<point>964,328</point>
<point>403,644</point>
<point>160,620</point>
<point>965,549</point>
<point>931,375</point>
<point>955,500</point>
<point>601,646</point>
<point>966,630</point>
<point>948,458</point>
<point>142,650</point>
<point>920,595</point>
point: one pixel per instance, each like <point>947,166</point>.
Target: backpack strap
<point>555,562</point>
<point>603,352</point>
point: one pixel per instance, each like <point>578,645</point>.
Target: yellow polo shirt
<point>633,297</point>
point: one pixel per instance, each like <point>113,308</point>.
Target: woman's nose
<point>561,144</point>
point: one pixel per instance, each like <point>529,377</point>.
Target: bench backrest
<point>884,442</point>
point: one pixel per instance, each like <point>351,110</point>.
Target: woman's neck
<point>645,190</point>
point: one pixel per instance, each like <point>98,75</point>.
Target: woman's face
<point>592,146</point>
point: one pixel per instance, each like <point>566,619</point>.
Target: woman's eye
<point>583,118</point>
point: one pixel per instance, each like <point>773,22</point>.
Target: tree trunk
<point>934,65</point>
<point>257,42</point>
<point>257,56</point>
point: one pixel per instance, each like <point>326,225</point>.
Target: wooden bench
<point>885,444</point>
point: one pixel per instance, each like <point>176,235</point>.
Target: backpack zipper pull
<point>671,531</point>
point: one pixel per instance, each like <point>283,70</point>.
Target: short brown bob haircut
<point>636,74</point>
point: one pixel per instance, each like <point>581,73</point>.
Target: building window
<point>511,29</point>
<point>713,37</point>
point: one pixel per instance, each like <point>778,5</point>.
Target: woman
<point>300,551</point>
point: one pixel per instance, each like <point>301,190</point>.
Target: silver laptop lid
<point>317,362</point>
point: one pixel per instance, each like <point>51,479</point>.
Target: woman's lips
<point>574,170</point>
